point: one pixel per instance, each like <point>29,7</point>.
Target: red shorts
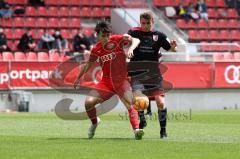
<point>107,87</point>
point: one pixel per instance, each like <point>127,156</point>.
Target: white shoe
<point>138,134</point>
<point>92,129</point>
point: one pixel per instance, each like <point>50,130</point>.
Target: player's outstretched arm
<point>83,70</point>
<point>134,43</point>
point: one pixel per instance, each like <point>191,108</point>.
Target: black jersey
<point>150,43</point>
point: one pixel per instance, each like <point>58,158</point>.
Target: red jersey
<point>111,57</point>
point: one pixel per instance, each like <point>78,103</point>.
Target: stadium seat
<point>212,24</point>
<point>97,12</point>
<point>234,35</point>
<point>214,46</point>
<point>64,2</point>
<point>42,23</point>
<point>233,24</point>
<point>75,23</point>
<point>225,46</point>
<point>210,3</point>
<point>66,33</point>
<point>40,32</point>
<point>53,11</point>
<point>88,31</point>
<point>204,46</point>
<point>54,56</point>
<point>18,22</point>
<point>213,35</point>
<point>181,23</point>
<point>220,3</point>
<point>53,23</point>
<point>64,23</point>
<point>97,3</point>
<point>31,56</point>
<point>222,13</point>
<point>30,22</point>
<point>202,24</point>
<point>74,2</point>
<point>108,3</point>
<point>157,3</point>
<point>212,13</point>
<point>86,12</point>
<point>107,11</point>
<point>9,33</point>
<point>12,44</point>
<point>193,35</point>
<point>52,31</point>
<point>222,24</point>
<point>191,24</point>
<point>18,33</point>
<point>74,32</point>
<point>202,35</point>
<point>186,2</point>
<point>64,12</point>
<point>224,35</point>
<point>232,13</point>
<point>51,2</point>
<point>30,11</point>
<point>42,56</point>
<point>86,2</point>
<point>7,56</point>
<point>17,2</point>
<point>7,22</point>
<point>42,11</point>
<point>75,11</point>
<point>19,56</point>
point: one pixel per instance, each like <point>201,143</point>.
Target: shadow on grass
<point>94,139</point>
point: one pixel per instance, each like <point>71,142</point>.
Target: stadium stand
<point>69,15</point>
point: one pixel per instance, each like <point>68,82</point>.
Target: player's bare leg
<point>90,102</point>
<point>162,115</point>
<point>127,100</point>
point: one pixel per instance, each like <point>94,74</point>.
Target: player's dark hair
<point>103,27</point>
<point>147,15</point>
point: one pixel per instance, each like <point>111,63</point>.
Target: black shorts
<point>151,85</point>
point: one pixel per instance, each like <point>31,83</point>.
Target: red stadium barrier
<point>189,75</point>
<point>35,75</point>
<point>227,75</point>
<point>4,76</point>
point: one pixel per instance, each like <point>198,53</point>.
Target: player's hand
<point>129,53</point>
<point>76,84</point>
<point>173,44</point>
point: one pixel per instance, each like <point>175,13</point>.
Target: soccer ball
<point>141,102</point>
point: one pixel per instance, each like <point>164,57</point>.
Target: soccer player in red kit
<point>109,52</point>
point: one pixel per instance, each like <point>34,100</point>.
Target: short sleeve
<point>164,42</point>
<point>93,56</point>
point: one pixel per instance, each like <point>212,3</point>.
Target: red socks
<point>133,116</point>
<point>92,114</point>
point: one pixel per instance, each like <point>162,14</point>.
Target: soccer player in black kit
<point>148,51</point>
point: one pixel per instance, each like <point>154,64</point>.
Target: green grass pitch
<point>203,135</point>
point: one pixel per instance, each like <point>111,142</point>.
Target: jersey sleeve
<point>130,32</point>
<point>164,42</point>
<point>93,56</point>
